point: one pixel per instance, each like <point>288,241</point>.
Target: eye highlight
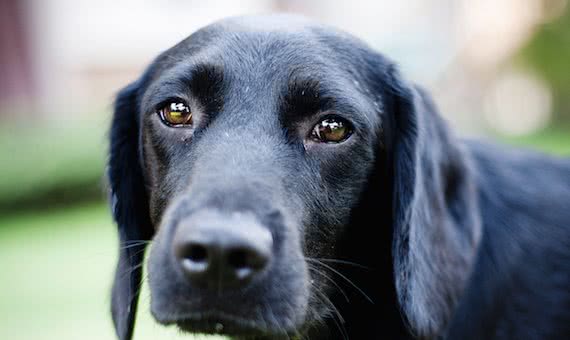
<point>331,130</point>
<point>176,114</point>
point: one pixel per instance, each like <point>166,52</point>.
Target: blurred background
<point>497,69</point>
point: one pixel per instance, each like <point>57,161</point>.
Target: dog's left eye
<point>176,114</point>
<point>331,130</point>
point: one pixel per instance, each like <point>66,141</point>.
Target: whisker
<point>131,269</point>
<point>140,287</point>
<point>137,252</point>
<point>135,244</point>
<point>274,321</point>
<point>342,276</point>
<point>342,262</point>
<point>330,279</point>
<point>340,322</point>
<point>137,241</point>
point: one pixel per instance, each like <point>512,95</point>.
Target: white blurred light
<point>491,30</point>
<point>518,103</point>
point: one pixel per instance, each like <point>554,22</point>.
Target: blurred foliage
<point>51,164</point>
<point>548,53</point>
<point>554,141</point>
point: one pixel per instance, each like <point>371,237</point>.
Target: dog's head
<point>252,151</point>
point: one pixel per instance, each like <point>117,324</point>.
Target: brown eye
<point>331,130</point>
<point>176,114</point>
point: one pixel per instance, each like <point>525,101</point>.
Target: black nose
<point>219,252</point>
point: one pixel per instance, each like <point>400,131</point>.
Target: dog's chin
<point>233,326</point>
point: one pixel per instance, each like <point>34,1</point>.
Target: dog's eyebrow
<point>205,82</point>
<point>303,96</point>
<point>306,96</point>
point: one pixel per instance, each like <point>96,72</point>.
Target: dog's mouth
<point>220,323</point>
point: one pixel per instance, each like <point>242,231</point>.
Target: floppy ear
<point>436,215</point>
<point>130,209</point>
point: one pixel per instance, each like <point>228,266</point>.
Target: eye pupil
<point>331,130</point>
<point>176,114</point>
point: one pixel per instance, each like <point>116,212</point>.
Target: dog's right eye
<point>176,114</point>
<point>331,130</point>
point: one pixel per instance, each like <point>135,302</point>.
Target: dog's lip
<point>217,322</point>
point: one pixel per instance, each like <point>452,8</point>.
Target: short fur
<point>402,231</point>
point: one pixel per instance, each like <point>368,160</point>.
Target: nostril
<point>197,253</point>
<point>193,257</point>
<point>238,262</point>
<point>245,262</point>
<point>238,258</point>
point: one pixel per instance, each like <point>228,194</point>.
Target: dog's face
<point>256,147</point>
<point>243,153</point>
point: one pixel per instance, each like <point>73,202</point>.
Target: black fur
<point>402,231</point>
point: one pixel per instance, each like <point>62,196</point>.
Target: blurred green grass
<point>51,163</point>
<point>57,268</point>
<point>555,141</point>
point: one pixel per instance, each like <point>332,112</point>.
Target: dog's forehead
<point>287,38</point>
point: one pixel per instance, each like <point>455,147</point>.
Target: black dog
<point>294,185</point>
